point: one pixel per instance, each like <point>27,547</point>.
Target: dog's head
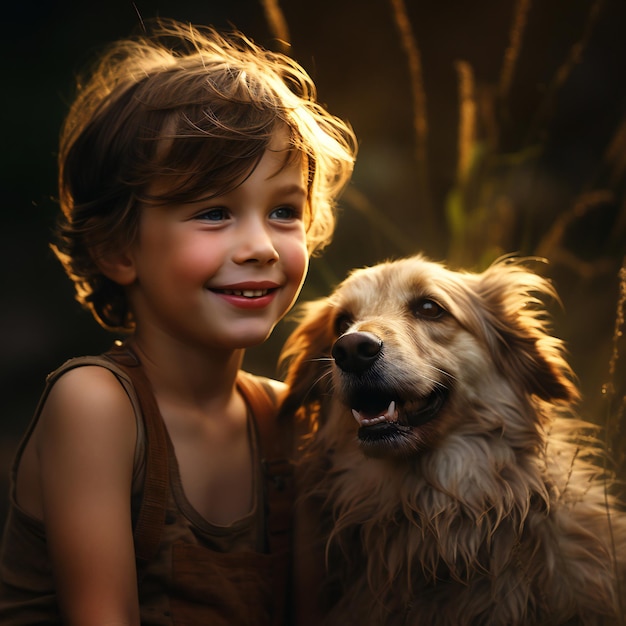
<point>404,352</point>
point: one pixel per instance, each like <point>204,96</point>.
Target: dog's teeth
<point>370,421</point>
<point>392,414</point>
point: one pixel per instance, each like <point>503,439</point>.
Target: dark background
<point>547,177</point>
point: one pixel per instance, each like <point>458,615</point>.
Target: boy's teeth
<point>390,415</point>
<point>246,293</point>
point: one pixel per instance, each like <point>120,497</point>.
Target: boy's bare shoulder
<point>89,397</point>
<point>90,383</point>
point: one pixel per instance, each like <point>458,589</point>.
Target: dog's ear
<point>306,358</point>
<point>517,331</point>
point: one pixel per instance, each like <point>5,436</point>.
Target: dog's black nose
<point>356,352</point>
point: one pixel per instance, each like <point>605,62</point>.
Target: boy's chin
<point>251,339</point>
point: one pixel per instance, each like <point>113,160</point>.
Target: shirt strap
<point>151,515</point>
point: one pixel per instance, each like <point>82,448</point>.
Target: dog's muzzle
<point>386,416</point>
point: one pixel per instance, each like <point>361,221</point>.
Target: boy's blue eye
<point>213,215</point>
<point>284,213</point>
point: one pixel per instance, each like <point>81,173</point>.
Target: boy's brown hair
<point>195,110</point>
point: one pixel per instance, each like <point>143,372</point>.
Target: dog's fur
<point>481,500</point>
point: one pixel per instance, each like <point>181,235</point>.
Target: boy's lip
<point>247,295</point>
<point>246,285</point>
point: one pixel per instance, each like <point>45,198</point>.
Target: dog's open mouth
<point>381,417</point>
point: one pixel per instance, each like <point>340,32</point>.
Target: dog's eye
<point>342,324</point>
<point>427,308</point>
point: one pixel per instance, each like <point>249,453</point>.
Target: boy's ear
<point>117,265</point>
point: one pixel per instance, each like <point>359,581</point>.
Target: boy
<point>197,175</point>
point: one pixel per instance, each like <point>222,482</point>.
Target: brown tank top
<point>190,572</point>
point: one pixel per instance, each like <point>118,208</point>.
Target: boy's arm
<point>85,441</point>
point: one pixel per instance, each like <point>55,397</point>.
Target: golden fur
<point>479,500</point>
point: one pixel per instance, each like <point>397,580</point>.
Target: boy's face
<point>221,273</point>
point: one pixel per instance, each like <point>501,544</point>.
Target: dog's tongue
<point>364,419</point>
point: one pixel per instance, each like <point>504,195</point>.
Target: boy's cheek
<point>296,266</point>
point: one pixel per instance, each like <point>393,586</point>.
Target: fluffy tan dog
<point>446,479</point>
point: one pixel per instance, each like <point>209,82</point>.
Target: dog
<point>446,478</point>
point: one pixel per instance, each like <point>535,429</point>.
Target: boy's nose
<point>255,245</point>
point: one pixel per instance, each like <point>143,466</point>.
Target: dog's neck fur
<point>436,523</point>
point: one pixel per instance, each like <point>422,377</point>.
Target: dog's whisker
<point>448,375</point>
<point>321,358</point>
<point>318,380</point>
<point>436,383</point>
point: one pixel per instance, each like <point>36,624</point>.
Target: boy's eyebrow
<point>289,189</point>
<point>293,189</point>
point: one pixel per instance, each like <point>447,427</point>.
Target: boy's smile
<point>249,295</point>
<point>222,272</point>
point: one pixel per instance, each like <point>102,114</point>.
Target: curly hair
<point>193,108</point>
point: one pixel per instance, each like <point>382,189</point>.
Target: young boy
<point>197,175</point>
